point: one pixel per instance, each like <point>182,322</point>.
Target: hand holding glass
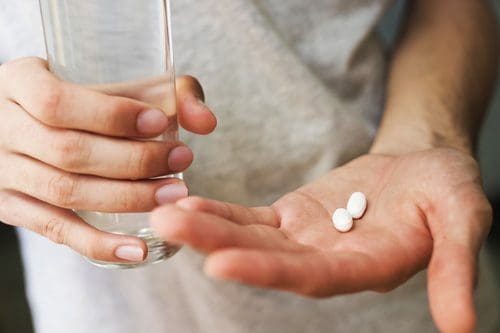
<point>121,48</point>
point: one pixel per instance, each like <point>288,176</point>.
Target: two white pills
<point>343,217</point>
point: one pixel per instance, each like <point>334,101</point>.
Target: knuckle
<point>54,230</point>
<point>49,102</point>
<point>131,200</point>
<point>141,162</point>
<point>62,190</point>
<point>71,152</point>
<point>123,200</point>
<point>114,117</point>
<point>116,107</point>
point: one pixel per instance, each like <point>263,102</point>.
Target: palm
<point>420,206</point>
<point>385,247</point>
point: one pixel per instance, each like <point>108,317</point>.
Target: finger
<point>86,153</point>
<point>310,273</point>
<point>64,227</point>
<point>453,266</point>
<point>207,233</point>
<point>194,115</point>
<point>88,193</point>
<point>234,213</point>
<point>64,105</point>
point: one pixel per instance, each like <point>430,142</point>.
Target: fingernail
<point>171,193</point>
<point>130,253</point>
<point>151,121</point>
<point>180,158</point>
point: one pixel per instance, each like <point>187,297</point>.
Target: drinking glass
<point>122,48</point>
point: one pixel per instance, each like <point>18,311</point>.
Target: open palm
<point>422,207</point>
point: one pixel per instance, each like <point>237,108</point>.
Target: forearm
<point>441,77</point>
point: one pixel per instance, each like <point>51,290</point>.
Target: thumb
<point>194,115</point>
<point>458,231</point>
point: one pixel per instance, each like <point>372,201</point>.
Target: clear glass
<point>123,48</point>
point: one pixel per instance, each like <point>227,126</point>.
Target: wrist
<point>398,140</point>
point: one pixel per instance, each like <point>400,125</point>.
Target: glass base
<point>158,251</point>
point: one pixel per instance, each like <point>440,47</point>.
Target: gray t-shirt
<point>297,87</point>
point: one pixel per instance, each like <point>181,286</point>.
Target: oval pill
<point>356,206</point>
<point>342,220</point>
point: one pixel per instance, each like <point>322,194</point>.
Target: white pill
<point>342,220</point>
<point>356,206</point>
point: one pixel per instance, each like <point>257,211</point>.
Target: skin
<point>426,205</point>
<point>65,147</point>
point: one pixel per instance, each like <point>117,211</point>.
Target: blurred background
<point>14,312</point>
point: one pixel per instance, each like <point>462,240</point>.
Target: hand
<point>424,209</point>
<point>65,147</point>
